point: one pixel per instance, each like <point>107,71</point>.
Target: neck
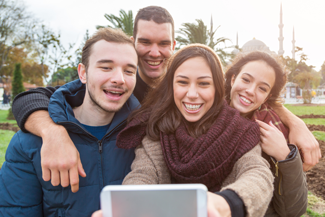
<point>92,115</point>
<point>149,81</point>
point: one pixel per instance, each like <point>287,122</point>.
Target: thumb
<point>81,170</point>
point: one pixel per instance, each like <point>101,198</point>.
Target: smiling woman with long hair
<point>254,81</point>
<point>185,132</point>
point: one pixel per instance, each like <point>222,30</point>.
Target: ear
<point>174,44</point>
<point>233,78</point>
<point>132,38</point>
<point>82,73</point>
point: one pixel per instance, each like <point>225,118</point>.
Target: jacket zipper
<point>100,142</point>
<point>277,174</point>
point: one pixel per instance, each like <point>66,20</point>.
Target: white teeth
<point>245,100</point>
<point>115,92</point>
<point>153,63</point>
<point>192,107</point>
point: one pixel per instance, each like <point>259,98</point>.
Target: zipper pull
<point>100,147</point>
<point>276,167</point>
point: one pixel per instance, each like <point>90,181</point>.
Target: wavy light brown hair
<point>159,103</point>
<point>243,58</point>
<point>107,34</point>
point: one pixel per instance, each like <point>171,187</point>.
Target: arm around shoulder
<point>300,135</point>
<point>30,101</point>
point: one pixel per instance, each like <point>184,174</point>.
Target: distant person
<point>93,110</point>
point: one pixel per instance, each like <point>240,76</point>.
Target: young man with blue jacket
<point>107,77</point>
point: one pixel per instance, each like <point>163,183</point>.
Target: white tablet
<point>174,200</point>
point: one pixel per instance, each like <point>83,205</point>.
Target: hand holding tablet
<point>179,200</point>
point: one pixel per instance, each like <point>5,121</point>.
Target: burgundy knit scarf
<point>208,159</point>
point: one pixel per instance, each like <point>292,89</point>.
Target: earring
<point>259,108</point>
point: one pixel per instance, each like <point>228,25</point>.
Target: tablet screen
<point>154,203</point>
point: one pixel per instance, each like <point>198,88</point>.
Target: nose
<point>154,51</point>
<point>118,77</point>
<point>250,90</point>
<point>192,93</point>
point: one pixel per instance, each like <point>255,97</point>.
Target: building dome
<point>254,45</point>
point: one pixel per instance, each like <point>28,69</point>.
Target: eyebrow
<point>246,73</point>
<point>182,76</point>
<point>163,41</point>
<point>111,61</point>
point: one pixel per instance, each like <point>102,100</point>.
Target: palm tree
<point>199,33</point>
<point>123,22</point>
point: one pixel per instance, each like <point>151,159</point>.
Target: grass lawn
<point>5,137</point>
<point>319,135</point>
<point>316,121</point>
<point>306,110</point>
<point>3,117</point>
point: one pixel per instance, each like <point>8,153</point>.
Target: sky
<point>257,19</point>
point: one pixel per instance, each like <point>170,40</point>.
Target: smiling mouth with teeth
<point>114,92</point>
<point>192,107</point>
<point>245,100</point>
<point>153,63</point>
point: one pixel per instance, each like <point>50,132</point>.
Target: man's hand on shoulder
<point>60,158</point>
<point>301,136</point>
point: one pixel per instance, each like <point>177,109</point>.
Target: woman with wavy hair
<point>185,132</point>
<point>254,82</point>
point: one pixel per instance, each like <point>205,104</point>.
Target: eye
<point>204,83</point>
<point>129,72</point>
<point>182,82</point>
<point>263,89</point>
<point>165,43</point>
<point>106,68</point>
<point>246,80</point>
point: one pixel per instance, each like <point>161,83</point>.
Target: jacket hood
<point>72,95</point>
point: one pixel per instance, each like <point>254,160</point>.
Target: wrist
<point>282,154</point>
<point>52,128</point>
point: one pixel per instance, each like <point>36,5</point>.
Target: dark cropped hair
<point>164,114</point>
<point>243,58</point>
<point>157,14</point>
<point>107,34</point>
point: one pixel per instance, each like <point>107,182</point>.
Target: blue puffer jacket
<point>23,192</point>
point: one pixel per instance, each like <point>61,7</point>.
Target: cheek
<point>130,82</point>
<point>208,95</point>
<point>179,94</point>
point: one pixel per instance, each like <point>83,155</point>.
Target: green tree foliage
<point>124,22</point>
<point>16,28</point>
<point>198,33</point>
<point>322,72</point>
<point>63,76</point>
<point>32,71</point>
<point>17,82</point>
<point>303,74</point>
<point>16,86</point>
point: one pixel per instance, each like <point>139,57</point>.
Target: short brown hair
<point>157,14</point>
<point>164,114</point>
<point>243,58</point>
<point>107,34</point>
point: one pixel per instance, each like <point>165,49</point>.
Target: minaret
<point>293,44</point>
<point>237,46</point>
<point>281,51</point>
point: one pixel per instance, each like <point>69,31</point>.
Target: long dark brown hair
<point>159,103</point>
<point>244,58</point>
